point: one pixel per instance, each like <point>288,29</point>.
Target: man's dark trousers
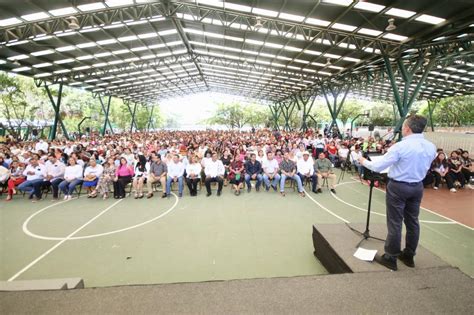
<point>403,205</point>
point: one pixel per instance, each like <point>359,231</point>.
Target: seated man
<point>175,174</point>
<point>323,169</point>
<point>288,170</point>
<point>253,171</point>
<point>214,171</point>
<point>270,172</point>
<point>157,172</point>
<point>306,170</point>
<point>54,174</point>
<point>35,174</point>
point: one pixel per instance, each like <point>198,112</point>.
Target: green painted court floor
<point>255,235</point>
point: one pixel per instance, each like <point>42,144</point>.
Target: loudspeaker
<point>34,132</point>
<point>371,127</point>
<point>88,129</point>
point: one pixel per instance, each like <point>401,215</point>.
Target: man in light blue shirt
<point>408,162</point>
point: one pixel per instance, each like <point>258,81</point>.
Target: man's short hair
<point>253,154</point>
<point>416,123</point>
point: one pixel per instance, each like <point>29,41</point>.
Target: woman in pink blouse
<point>123,177</point>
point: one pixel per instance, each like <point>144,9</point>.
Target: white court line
<point>381,214</point>
<point>34,262</point>
<point>51,238</point>
<point>326,209</point>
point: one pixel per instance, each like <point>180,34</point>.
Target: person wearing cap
<point>306,170</point>
<point>323,168</point>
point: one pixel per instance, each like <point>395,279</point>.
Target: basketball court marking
<point>49,251</point>
<point>326,209</point>
<point>440,215</point>
<point>378,213</point>
<point>51,238</point>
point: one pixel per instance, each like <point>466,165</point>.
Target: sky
<point>191,110</point>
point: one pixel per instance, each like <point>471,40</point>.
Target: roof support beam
<point>57,118</point>
<point>106,111</point>
<point>431,107</point>
<point>405,101</point>
<point>335,107</point>
<point>275,109</point>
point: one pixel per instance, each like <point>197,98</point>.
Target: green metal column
<point>287,108</point>
<point>276,111</point>
<point>335,107</point>
<point>106,111</point>
<point>431,107</point>
<point>303,103</point>
<point>150,119</point>
<point>133,118</point>
<point>56,106</point>
<point>405,101</point>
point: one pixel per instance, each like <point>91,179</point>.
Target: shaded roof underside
<point>142,51</point>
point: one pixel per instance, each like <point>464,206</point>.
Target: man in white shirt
<point>214,171</point>
<point>175,174</point>
<point>305,168</point>
<point>54,174</point>
<point>41,145</point>
<point>35,174</point>
<point>270,172</point>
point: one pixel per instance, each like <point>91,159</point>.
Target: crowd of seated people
<point>262,159</point>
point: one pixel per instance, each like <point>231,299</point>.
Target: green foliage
<point>452,111</point>
<point>21,101</point>
<point>236,116</point>
<point>381,114</point>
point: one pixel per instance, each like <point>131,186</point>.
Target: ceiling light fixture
<point>328,62</point>
<point>391,25</point>
<point>258,24</point>
<point>16,63</point>
<point>73,23</point>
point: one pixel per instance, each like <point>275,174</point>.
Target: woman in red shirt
<point>332,152</point>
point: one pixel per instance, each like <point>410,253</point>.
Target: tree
<point>349,110</point>
<point>13,104</point>
<point>381,114</point>
<point>452,111</point>
<point>230,115</point>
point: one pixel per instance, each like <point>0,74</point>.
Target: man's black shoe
<point>319,191</point>
<point>387,262</point>
<point>218,193</point>
<point>257,188</point>
<point>333,191</point>
<point>248,189</point>
<point>208,194</point>
<point>164,195</point>
<point>407,260</point>
<point>274,188</point>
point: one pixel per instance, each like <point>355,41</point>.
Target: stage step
<point>46,284</point>
<point>334,246</point>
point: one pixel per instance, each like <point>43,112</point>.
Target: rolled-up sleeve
<point>388,160</point>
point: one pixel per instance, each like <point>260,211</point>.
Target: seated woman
<point>193,175</point>
<point>236,176</point>
<point>106,179</point>
<point>91,177</point>
<point>331,148</point>
<point>440,170</point>
<point>467,168</point>
<point>123,177</point>
<point>141,169</point>
<point>16,178</point>
<point>73,176</point>
<point>455,167</point>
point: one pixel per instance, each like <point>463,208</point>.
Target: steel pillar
<point>56,106</point>
<point>431,107</point>
<point>304,104</point>
<point>133,113</point>
<point>150,119</point>
<point>106,111</point>
<point>276,111</point>
<point>287,109</point>
<point>336,106</point>
<point>405,101</point>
